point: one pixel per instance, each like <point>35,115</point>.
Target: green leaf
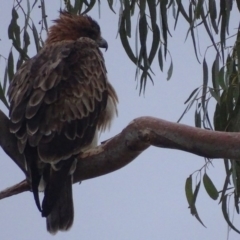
<point>127,14</point>
<point>191,29</point>
<point>170,70</point>
<point>153,12</point>
<point>173,9</point>
<point>190,96</point>
<point>89,7</point>
<point>165,30</point>
<point>16,28</point>
<point>188,190</point>
<point>126,45</point>
<point>212,9</point>
<point>155,43</point>
<point>143,30</point>
<point>221,80</point>
<point>213,14</point>
<point>184,112</point>
<point>197,217</point>
<point>5,79</point>
<point>110,4</point>
<point>209,186</point>
<point>182,11</point>
<point>188,107</point>
<point>44,15</point>
<point>14,34</point>
<point>221,114</point>
<point>209,32</point>
<point>77,6</point>
<point>199,8</point>
<point>143,81</point>
<point>198,118</point>
<point>191,197</point>
<point>196,192</point>
<point>10,66</point>
<point>223,17</point>
<point>26,40</point>
<point>160,58</point>
<point>142,6</point>
<point>229,101</point>
<point>235,93</point>
<point>229,64</point>
<point>238,52</point>
<point>214,94</point>
<point>36,37</point>
<point>133,4</point>
<point>205,83</point>
<point>27,17</point>
<point>215,74</point>
<point>125,42</point>
<point>226,182</point>
<point>225,213</point>
<point>234,174</point>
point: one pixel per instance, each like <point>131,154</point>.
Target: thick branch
<point>23,186</point>
<point>134,139</point>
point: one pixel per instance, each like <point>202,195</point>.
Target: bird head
<point>71,27</point>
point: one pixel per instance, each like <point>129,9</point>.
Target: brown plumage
<point>59,99</point>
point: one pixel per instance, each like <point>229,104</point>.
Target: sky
<point>145,199</point>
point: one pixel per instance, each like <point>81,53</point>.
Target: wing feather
<point>57,97</point>
<point>51,96</point>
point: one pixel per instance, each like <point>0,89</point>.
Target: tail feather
<point>62,214</point>
<point>57,205</point>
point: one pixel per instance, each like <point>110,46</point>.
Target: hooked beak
<point>102,43</point>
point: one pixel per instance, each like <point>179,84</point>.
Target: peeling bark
<point>120,150</point>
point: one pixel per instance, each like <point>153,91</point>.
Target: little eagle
<point>59,100</point>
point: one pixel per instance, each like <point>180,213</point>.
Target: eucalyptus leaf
<point>225,213</point>
<point>10,66</point>
<point>160,58</point>
<point>190,96</point>
<point>198,119</point>
<point>170,70</point>
<point>110,4</point>
<point>210,188</point>
<point>188,190</point>
<point>205,83</point>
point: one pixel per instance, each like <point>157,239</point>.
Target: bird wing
<point>56,99</point>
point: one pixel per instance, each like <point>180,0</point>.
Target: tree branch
<point>120,150</point>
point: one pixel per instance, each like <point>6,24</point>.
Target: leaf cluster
<point>20,38</point>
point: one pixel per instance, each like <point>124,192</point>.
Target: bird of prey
<point>59,100</point>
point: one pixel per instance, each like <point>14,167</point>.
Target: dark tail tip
<point>62,214</point>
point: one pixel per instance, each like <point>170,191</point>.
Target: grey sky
<point>146,199</point>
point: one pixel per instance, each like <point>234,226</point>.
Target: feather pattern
<point>58,100</point>
<point>55,103</point>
